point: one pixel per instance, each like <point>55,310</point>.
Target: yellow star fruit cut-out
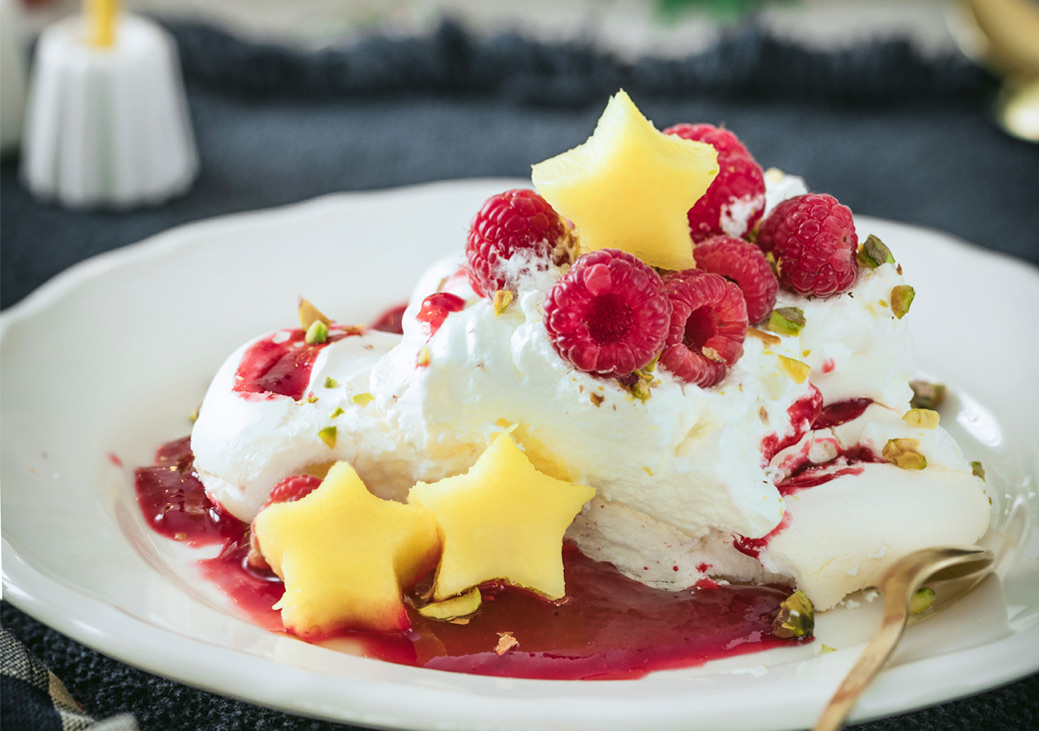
<point>345,556</point>
<point>630,187</point>
<point>501,520</point>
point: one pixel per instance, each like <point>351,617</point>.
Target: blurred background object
<point>106,123</point>
<point>12,83</point>
<point>1004,36</point>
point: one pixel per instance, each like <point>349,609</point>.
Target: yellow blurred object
<point>101,15</point>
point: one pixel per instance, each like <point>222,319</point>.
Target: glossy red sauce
<point>608,626</point>
<point>391,321</point>
<point>753,546</point>
<point>847,462</point>
<point>280,364</point>
<point>436,307</point>
<point>802,414</point>
<point>841,412</point>
<point>174,502</point>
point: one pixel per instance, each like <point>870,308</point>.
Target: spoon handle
<point>879,649</point>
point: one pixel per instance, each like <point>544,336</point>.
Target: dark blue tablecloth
<point>888,131</point>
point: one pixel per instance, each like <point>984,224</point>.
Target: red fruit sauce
<point>607,627</point>
<point>841,412</point>
<point>280,364</point>
<point>391,321</point>
<point>436,307</point>
<point>803,413</point>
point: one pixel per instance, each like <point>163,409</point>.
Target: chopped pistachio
<point>328,436</point>
<point>825,649</point>
<point>425,357</point>
<point>794,368</point>
<point>505,642</point>
<point>977,470</point>
<point>767,338</point>
<point>640,389</point>
<point>596,398</point>
<point>362,399</point>
<point>921,601</point>
<point>873,253</point>
<point>787,320</point>
<point>901,299</point>
<point>311,399</point>
<point>317,333</point>
<point>921,418</point>
<point>308,314</point>
<point>331,382</point>
<point>905,453</point>
<point>796,618</point>
<point>453,608</point>
<point>712,354</point>
<point>926,395</point>
<point>502,300</point>
<point>337,411</point>
<point>193,416</point>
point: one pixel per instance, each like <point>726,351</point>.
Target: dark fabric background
<point>889,132</point>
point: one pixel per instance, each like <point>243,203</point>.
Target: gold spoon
<point>898,586</point>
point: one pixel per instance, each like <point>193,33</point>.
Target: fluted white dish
<point>107,127</point>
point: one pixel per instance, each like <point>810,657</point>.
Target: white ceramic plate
<point>111,356</point>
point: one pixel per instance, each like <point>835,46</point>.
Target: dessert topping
<point>901,298</point>
<point>501,520</point>
<point>608,315</point>
<point>502,300</point>
<point>708,326</point>
<point>331,382</point>
<point>927,395</point>
<point>921,601</point>
<point>505,643</point>
<point>458,606</point>
<point>362,399</point>
<point>744,264</point>
<point>510,222</point>
<point>735,200</point>
<point>292,488</point>
<point>317,333</point>
<point>977,470</point>
<point>796,369</point>
<point>787,320</point>
<point>436,307</point>
<point>873,253</point>
<point>345,555</point>
<point>630,187</point>
<point>328,436</point>
<point>813,240</point>
<point>308,314</point>
<point>905,453</point>
<point>921,418</point>
<point>796,617</point>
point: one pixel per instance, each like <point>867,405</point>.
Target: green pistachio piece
<point>338,411</point>
<point>905,453</point>
<point>317,333</point>
<point>787,320</point>
<point>328,436</point>
<point>921,601</point>
<point>331,382</point>
<point>425,357</point>
<point>901,298</point>
<point>825,649</point>
<point>362,399</point>
<point>873,253</point>
<point>193,416</point>
<point>921,418</point>
<point>502,300</point>
<point>796,618</point>
<point>977,470</point>
<point>926,395</point>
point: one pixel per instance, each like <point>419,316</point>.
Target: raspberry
<point>735,200</point>
<point>708,326</point>
<point>293,488</point>
<point>745,265</point>
<point>513,221</point>
<point>609,315</point>
<point>813,240</point>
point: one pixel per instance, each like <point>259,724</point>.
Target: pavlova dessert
<point>660,361</point>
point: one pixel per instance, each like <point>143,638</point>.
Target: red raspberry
<point>744,264</point>
<point>293,488</point>
<point>609,314</point>
<point>735,200</point>
<point>508,222</point>
<point>708,326</point>
<point>436,307</point>
<point>813,240</point>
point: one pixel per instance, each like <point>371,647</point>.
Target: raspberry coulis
<point>608,627</point>
<point>280,364</point>
<point>436,307</point>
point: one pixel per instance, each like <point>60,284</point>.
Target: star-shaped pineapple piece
<point>345,556</point>
<point>501,520</point>
<point>630,187</point>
